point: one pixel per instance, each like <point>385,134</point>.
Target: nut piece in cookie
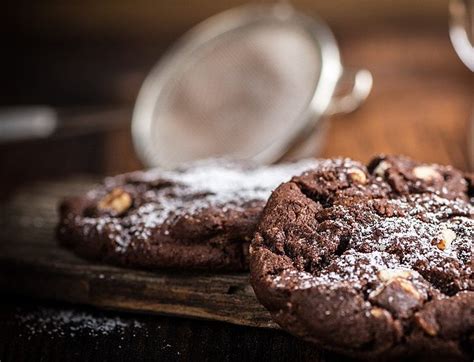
<point>381,168</point>
<point>387,275</point>
<point>399,296</point>
<point>357,175</point>
<point>116,202</point>
<point>429,326</point>
<point>426,173</point>
<point>444,240</point>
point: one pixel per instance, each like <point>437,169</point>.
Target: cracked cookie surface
<point>202,215</point>
<point>370,261</point>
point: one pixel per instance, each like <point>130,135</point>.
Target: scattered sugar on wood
<point>68,322</point>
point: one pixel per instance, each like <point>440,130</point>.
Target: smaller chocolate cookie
<point>373,262</point>
<point>200,216</point>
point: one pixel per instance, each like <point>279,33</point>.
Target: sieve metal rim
<point>215,26</point>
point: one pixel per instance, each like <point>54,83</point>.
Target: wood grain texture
<point>143,337</point>
<point>421,102</point>
<point>32,264</point>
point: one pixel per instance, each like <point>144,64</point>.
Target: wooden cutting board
<point>32,264</point>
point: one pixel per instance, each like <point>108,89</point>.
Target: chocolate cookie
<point>373,261</point>
<point>199,216</point>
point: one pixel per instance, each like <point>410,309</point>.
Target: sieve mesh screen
<point>237,94</point>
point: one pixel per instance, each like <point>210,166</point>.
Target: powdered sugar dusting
<point>224,182</point>
<point>425,235</point>
<point>162,196</point>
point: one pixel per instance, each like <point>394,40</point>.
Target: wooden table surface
<point>33,264</point>
<point>420,106</point>
<point>421,103</point>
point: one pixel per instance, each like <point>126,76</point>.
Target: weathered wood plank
<point>32,264</point>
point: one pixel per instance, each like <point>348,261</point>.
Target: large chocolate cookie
<point>200,216</point>
<point>370,262</point>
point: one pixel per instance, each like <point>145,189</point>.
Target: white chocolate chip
<point>381,168</point>
<point>426,173</point>
<point>357,175</point>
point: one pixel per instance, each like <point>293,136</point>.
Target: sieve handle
<point>461,30</point>
<point>360,81</point>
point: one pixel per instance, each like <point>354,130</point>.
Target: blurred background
<point>89,58</point>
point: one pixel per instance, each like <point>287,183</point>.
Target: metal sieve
<point>247,83</point>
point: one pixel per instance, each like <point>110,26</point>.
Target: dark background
<point>85,57</point>
<point>69,53</point>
